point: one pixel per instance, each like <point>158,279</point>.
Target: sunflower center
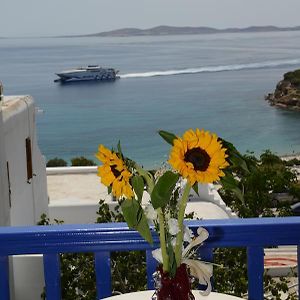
<point>198,157</point>
<point>115,171</point>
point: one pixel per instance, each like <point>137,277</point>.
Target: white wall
<point>28,274</point>
<point>4,192</point>
<point>28,198</point>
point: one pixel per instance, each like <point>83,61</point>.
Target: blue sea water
<point>216,82</point>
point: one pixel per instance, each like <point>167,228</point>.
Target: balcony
<point>101,239</point>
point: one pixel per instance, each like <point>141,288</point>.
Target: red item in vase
<point>177,288</point>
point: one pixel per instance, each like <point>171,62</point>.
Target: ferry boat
<point>91,72</point>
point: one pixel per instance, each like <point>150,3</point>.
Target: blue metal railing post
<point>103,274</point>
<point>206,254</point>
<point>255,256</point>
<point>151,267</point>
<point>4,278</point>
<point>298,268</point>
<point>52,276</point>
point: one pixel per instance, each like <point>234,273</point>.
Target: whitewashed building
<point>23,187</point>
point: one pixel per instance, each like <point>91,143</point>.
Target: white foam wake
<point>237,67</point>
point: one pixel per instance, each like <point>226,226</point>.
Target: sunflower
<point>198,156</point>
<point>114,173</point>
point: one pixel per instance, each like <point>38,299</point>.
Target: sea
<point>216,82</point>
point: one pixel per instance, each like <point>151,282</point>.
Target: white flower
<point>202,271</point>
<point>202,236</point>
<point>150,212</point>
<point>157,255</point>
<point>187,234</point>
<point>173,226</point>
<point>173,242</point>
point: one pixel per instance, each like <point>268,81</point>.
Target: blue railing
<point>254,234</point>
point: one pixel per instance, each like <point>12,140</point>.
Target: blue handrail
<point>254,234</point>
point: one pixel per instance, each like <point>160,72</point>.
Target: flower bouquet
<point>197,157</point>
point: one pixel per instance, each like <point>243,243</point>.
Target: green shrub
<point>231,277</point>
<point>268,174</point>
<point>56,162</point>
<point>295,191</point>
<point>82,161</point>
<point>293,77</point>
<point>292,162</point>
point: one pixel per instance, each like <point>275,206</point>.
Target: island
<point>287,92</point>
<point>163,30</point>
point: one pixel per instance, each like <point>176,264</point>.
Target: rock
<point>287,92</point>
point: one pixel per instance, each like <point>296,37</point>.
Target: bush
<point>268,174</point>
<point>231,277</point>
<point>295,191</point>
<point>293,77</point>
<point>82,161</point>
<point>292,162</point>
<point>56,162</point>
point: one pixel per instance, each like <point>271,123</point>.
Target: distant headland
<point>173,30</point>
<point>287,92</point>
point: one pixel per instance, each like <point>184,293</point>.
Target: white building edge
<point>24,197</point>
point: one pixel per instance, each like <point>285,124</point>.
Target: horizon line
<point>218,31</point>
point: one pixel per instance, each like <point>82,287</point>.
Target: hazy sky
<point>53,17</point>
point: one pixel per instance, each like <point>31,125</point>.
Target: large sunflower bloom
<point>198,156</point>
<point>114,173</point>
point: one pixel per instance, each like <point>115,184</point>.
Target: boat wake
<point>211,69</point>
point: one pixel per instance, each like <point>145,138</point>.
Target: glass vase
<point>176,288</point>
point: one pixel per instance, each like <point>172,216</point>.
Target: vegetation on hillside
<point>293,77</point>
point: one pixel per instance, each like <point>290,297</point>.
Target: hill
<point>172,30</point>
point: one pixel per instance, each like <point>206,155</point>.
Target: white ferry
<point>91,72</point>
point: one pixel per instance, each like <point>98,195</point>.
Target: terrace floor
<point>71,186</point>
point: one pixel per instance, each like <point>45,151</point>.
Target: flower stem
<point>179,238</point>
<point>162,238</point>
<point>147,176</point>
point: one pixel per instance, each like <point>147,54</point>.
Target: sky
<point>26,18</point>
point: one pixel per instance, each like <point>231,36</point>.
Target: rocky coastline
<point>287,92</point>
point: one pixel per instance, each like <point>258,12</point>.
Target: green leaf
<point>195,188</point>
<point>163,189</point>
<point>109,189</point>
<point>235,158</point>
<point>135,217</point>
<point>167,136</point>
<point>239,194</point>
<point>120,149</point>
<point>172,260</point>
<point>138,186</point>
<point>229,146</point>
<point>230,183</point>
